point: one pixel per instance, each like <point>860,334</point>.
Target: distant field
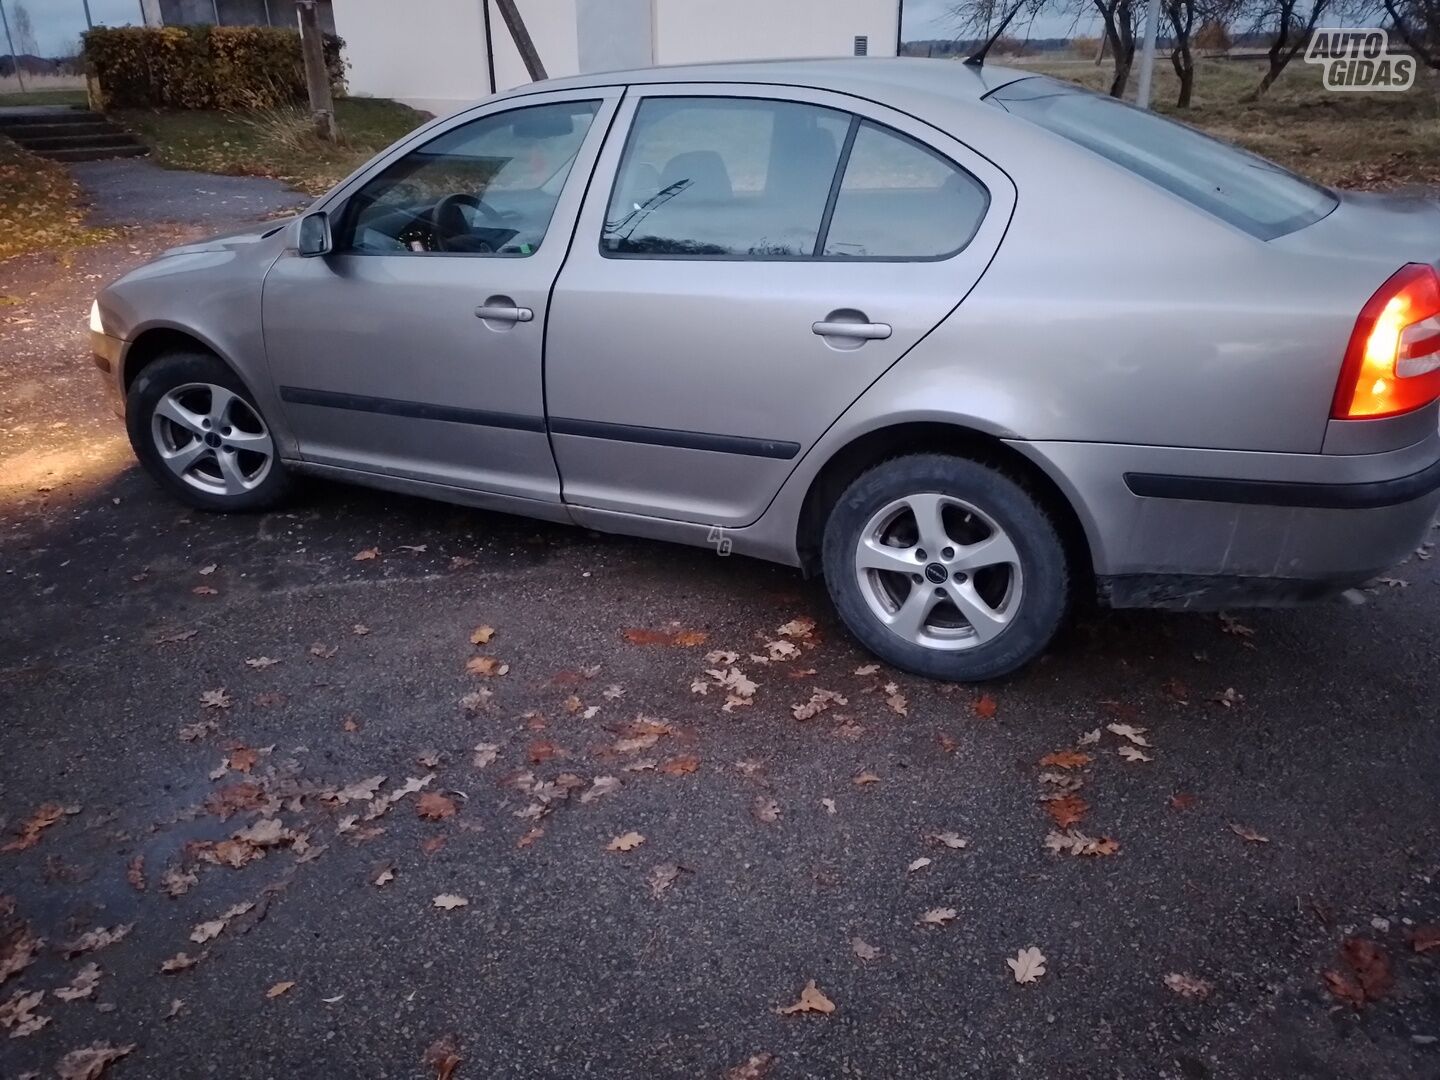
<point>43,90</point>
<point>1364,140</point>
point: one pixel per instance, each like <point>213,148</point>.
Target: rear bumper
<point>1180,527</point>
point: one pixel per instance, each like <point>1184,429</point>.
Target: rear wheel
<point>945,567</point>
<point>193,426</point>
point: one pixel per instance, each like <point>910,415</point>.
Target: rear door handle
<point>512,313</point>
<point>866,331</point>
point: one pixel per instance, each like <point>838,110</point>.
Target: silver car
<point>970,342</point>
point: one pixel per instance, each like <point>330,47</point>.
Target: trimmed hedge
<point>201,67</point>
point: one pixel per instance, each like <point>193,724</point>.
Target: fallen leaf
<point>243,759</point>
<point>530,837</point>
<point>18,1015</point>
<point>432,806</point>
<point>278,989</point>
<point>542,750</point>
<point>1028,965</point>
<point>918,864</point>
<point>948,839</point>
<point>206,571</point>
<point>896,701</point>
<point>938,916</point>
<point>947,743</point>
<point>1133,753</point>
<point>1066,759</point>
<point>481,635</point>
<point>205,590</point>
<point>89,1062</point>
<point>215,699</point>
<point>680,766</point>
<point>1128,731</point>
<point>1177,690</point>
<point>766,810</point>
<point>1067,811</point>
<point>180,962</point>
<point>171,639</point>
<point>360,790</point>
<point>662,877</point>
<point>415,549</point>
<point>1371,967</point>
<point>811,1000</point>
<point>486,666</point>
<point>1228,698</point>
<point>1247,833</point>
<point>986,707</point>
<point>639,742</point>
<point>449,902</point>
<point>819,701</point>
<point>82,985</point>
<point>176,883</point>
<point>863,950</point>
<point>1423,939</point>
<point>682,639</point>
<point>800,628</point>
<point>98,938</point>
<point>755,1067</point>
<point>864,779</point>
<point>1188,986</point>
<point>1344,988</point>
<point>1182,800</point>
<point>829,805</point>
<point>1233,626</point>
<point>45,815</point>
<point>1077,843</point>
<point>1090,738</point>
<point>601,785</point>
<point>359,629</point>
<point>18,948</point>
<point>443,1056</point>
<point>366,555</point>
<point>260,663</point>
<point>868,669</point>
<point>625,842</point>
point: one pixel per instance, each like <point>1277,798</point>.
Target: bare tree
<point>1417,23</point>
<point>25,31</point>
<point>1119,19</point>
<point>1181,15</point>
<point>1289,24</point>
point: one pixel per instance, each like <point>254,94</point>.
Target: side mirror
<point>314,235</point>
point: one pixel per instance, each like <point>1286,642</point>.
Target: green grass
<point>277,143</point>
<point>1360,140</point>
<point>39,205</point>
<point>42,97</point>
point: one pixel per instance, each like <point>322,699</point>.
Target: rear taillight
<point>1392,364</point>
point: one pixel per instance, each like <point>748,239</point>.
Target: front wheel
<point>946,568</point>
<point>193,426</point>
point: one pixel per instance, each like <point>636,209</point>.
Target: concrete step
<point>72,116</point>
<point>95,153</point>
<point>44,131</point>
<point>77,142</point>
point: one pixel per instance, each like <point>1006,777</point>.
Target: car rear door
<point>748,260</point>
<point>394,356</point>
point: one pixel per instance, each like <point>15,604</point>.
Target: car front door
<point>748,260</point>
<point>414,348</point>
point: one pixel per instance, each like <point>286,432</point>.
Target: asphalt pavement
<point>541,687</point>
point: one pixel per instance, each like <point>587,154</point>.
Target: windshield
<point>1247,191</point>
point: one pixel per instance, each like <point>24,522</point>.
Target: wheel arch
<point>919,437</point>
<point>159,340</point>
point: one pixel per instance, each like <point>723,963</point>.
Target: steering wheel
<point>451,230</point>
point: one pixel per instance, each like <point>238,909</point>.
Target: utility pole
<point>19,78</point>
<point>317,76</point>
<point>1147,58</point>
<point>89,23</point>
<point>512,18</point>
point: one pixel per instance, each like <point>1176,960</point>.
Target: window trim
<point>842,163</point>
<point>349,208</point>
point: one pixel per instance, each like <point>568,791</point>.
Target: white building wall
<point>431,53</point>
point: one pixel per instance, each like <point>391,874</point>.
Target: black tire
<point>1043,601</point>
<point>175,370</point>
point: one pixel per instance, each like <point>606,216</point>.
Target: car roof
<point>870,76</point>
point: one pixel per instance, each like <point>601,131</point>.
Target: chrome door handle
<point>509,313</point>
<point>866,331</point>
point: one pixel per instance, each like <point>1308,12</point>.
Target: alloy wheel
<point>212,439</point>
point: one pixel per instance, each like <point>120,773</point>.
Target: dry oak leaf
<point>278,989</point>
<point>366,555</point>
<point>800,628</point>
<point>1423,939</point>
<point>918,864</point>
<point>864,950</point>
<point>766,810</point>
<point>323,651</point>
<point>1182,800</point>
<point>938,916</point>
<point>1077,843</point>
<point>46,815</point>
<point>89,1062</point>
<point>811,1000</point>
<point>1133,753</point>
<point>1371,967</point>
<point>17,950</point>
<point>1188,986</point>
<point>819,701</point>
<point>1128,731</point>
<point>18,1016</point>
<point>1028,965</point>
<point>897,701</point>
<point>683,639</point>
<point>481,635</point>
<point>359,629</point>
<point>948,743</point>
<point>530,837</point>
<point>1344,988</point>
<point>543,750</point>
<point>829,805</point>
<point>662,877</point>
<point>82,985</point>
<point>865,779</point>
<point>180,962</point>
<point>443,1055</point>
<point>449,902</point>
<point>1065,759</point>
<point>243,759</point>
<point>432,806</point>
<point>95,939</point>
<point>485,754</point>
<point>948,839</point>
<point>625,842</point>
<point>680,766</point>
<point>986,707</point>
<point>260,663</point>
<point>755,1067</point>
<point>1067,811</point>
<point>601,785</point>
<point>1090,738</point>
<point>486,666</point>
<point>1247,833</point>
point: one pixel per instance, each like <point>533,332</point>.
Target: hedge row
<point>202,67</point>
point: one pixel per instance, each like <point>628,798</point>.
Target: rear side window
<point>724,177</point>
<point>1236,186</point>
<point>901,200</point>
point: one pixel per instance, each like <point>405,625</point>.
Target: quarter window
<point>724,177</point>
<point>488,187</point>
<point>901,200</point>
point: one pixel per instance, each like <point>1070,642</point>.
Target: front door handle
<point>509,313</point>
<point>862,331</point>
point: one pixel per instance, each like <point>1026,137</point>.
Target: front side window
<point>724,177</point>
<point>488,187</point>
<point>902,200</point>
<point>1236,186</point>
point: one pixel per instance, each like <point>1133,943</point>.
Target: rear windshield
<point>1239,187</point>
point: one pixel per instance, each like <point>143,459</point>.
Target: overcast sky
<point>58,23</point>
<point>925,19</point>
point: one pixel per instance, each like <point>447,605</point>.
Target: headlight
<point>96,326</point>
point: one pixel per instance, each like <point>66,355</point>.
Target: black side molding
<point>418,410</point>
<point>1363,496</point>
<point>684,440</point>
